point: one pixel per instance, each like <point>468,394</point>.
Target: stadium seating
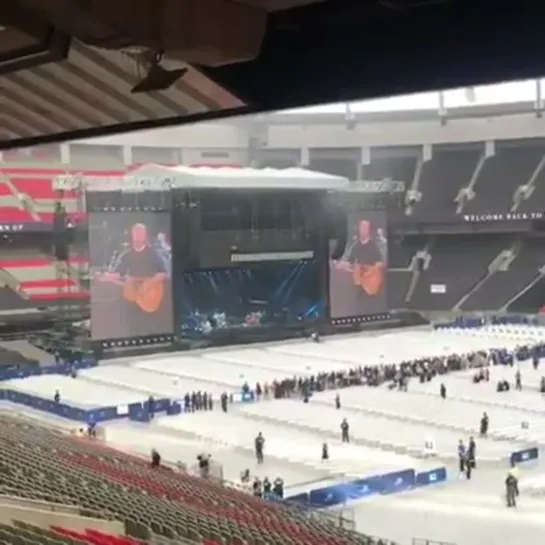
<point>37,278</point>
<point>398,169</point>
<point>440,181</point>
<point>510,167</point>
<point>503,285</point>
<point>40,464</point>
<point>447,255</point>
<point>23,533</point>
<point>27,195</point>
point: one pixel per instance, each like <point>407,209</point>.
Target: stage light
<point>157,77</point>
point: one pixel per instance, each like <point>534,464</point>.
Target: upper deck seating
<point>512,166</point>
<point>39,189</point>
<point>107,483</point>
<point>441,178</point>
<point>399,168</point>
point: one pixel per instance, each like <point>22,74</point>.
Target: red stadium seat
<point>63,295</point>
<point>37,188</point>
<point>5,190</point>
<point>15,263</point>
<point>15,215</point>
<point>50,283</point>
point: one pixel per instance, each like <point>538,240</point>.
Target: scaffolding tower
<point>69,251</point>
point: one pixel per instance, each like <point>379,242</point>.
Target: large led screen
<point>280,294</point>
<point>357,281</point>
<point>130,260</point>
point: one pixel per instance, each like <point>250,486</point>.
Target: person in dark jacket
<point>345,431</point>
<point>325,452</point>
<point>472,452</point>
<point>484,425</point>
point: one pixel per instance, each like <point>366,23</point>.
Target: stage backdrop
<point>130,259</point>
<point>357,281</point>
<point>257,295</point>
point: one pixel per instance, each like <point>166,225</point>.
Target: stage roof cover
<point>72,70</point>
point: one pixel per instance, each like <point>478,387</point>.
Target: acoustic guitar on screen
<point>368,277</point>
<point>146,293</point>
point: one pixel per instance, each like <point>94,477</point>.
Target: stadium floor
<point>458,513</point>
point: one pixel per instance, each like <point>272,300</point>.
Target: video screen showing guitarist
<point>357,279</point>
<point>131,294</point>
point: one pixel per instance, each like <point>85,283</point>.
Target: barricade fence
<point>138,412</point>
<point>389,483</point>
<point>526,455</point>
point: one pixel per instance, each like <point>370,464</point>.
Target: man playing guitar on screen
<point>364,260</point>
<point>139,271</point>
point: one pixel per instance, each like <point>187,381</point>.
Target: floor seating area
<point>108,484</point>
<point>148,382</point>
<point>287,442</point>
<point>75,392</point>
<point>375,430</point>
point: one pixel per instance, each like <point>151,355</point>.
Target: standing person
<point>325,452</point>
<point>337,401</point>
<point>140,274</point>
<point>443,391</point>
<point>259,445</point>
<point>462,457</point>
<point>511,486</point>
<point>357,278</point>
<point>518,380</point>
<point>345,431</point>
<point>472,452</point>
<point>484,425</point>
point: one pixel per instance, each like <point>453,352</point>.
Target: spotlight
<point>158,78</point>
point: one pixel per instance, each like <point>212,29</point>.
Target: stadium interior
<point>247,325</point>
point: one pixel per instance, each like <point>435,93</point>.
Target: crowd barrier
<point>58,369</point>
<point>389,483</point>
<point>472,322</point>
<point>526,455</point>
<point>139,412</point>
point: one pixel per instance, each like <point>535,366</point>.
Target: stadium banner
<point>28,227</point>
<point>502,216</point>
<point>526,455</point>
<point>389,483</point>
<point>253,295</point>
<point>130,259</point>
<point>357,280</point>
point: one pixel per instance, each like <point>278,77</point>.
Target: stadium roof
<point>66,68</point>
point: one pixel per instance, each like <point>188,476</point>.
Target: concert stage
<point>199,256</point>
